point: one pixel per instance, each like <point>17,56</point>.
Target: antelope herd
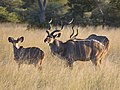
<point>93,48</point>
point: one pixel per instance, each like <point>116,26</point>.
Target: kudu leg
<point>40,61</point>
<point>40,65</point>
<point>96,62</point>
<point>70,64</point>
<point>19,65</point>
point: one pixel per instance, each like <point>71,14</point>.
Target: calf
<point>30,55</point>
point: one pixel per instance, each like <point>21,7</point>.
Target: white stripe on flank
<point>89,40</point>
<point>98,42</point>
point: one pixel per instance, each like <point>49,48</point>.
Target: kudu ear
<point>10,39</point>
<point>21,39</point>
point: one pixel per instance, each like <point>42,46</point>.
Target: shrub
<point>111,15</point>
<point>52,10</point>
<point>3,14</point>
<point>6,16</point>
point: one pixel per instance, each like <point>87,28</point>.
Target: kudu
<point>103,39</point>
<point>82,50</point>
<point>29,55</point>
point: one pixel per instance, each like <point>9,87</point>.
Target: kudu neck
<point>17,48</point>
<point>55,42</point>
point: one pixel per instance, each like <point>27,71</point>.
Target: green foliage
<point>78,7</point>
<point>11,5</point>
<point>27,11</point>
<point>116,2</point>
<point>32,18</point>
<point>5,16</point>
<point>77,10</point>
<point>9,10</point>
<point>57,1</point>
<point>12,17</point>
<point>28,3</point>
<point>111,15</point>
<point>52,11</point>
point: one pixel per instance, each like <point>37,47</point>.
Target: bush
<point>111,15</point>
<point>6,16</point>
<point>3,14</point>
<point>32,18</point>
<point>12,17</point>
<point>52,10</point>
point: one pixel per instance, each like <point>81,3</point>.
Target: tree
<point>116,2</point>
<point>78,9</point>
<point>111,14</point>
<point>28,3</point>
<point>42,6</point>
<point>55,11</point>
<point>80,6</point>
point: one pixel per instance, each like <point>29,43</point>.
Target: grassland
<point>54,75</point>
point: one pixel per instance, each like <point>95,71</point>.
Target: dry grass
<point>54,75</point>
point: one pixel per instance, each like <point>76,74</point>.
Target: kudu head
<point>56,33</point>
<point>15,41</point>
<point>51,36</point>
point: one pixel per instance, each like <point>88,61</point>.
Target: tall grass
<point>54,74</point>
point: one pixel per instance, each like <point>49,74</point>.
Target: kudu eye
<point>45,40</point>
<point>57,35</point>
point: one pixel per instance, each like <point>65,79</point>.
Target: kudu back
<point>102,39</point>
<point>75,50</point>
<point>29,55</point>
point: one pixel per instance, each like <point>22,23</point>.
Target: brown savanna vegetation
<point>54,74</point>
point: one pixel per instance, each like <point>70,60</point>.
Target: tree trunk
<point>42,10</point>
